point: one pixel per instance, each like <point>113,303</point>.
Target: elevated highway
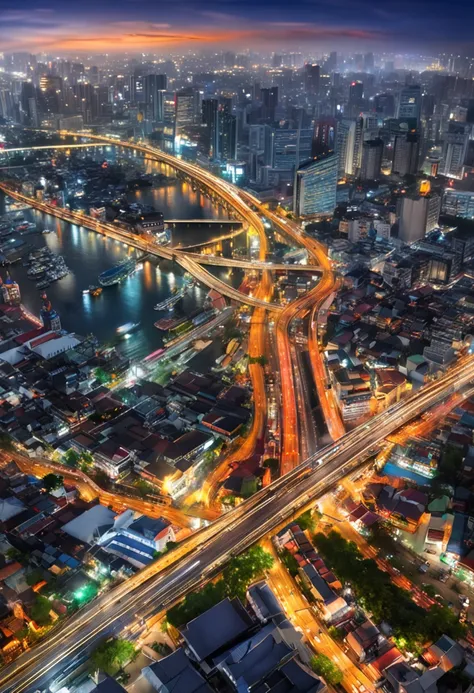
<point>184,259</point>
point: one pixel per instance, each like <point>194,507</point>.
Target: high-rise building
<point>136,85</point>
<point>289,147</point>
<point>409,104</point>
<point>315,187</point>
<point>349,146</point>
<point>312,79</point>
<point>371,162</point>
<point>458,203</point>
<point>356,98</point>
<point>269,97</point>
<point>324,136</point>
<point>455,145</point>
<point>210,118</point>
<point>384,104</point>
<point>227,134</point>
<point>418,216</point>
<point>154,88</point>
<point>6,103</point>
<point>369,62</point>
<point>331,63</point>
<point>184,108</point>
<point>406,153</point>
<point>51,88</point>
<point>169,121</point>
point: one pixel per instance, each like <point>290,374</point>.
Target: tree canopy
<point>111,655</point>
<point>307,521</point>
<point>237,576</point>
<point>376,592</point>
<point>40,611</point>
<point>52,481</point>
<point>323,666</point>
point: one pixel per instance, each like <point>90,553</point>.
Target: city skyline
<point>130,27</point>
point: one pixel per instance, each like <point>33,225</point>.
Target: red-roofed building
<point>387,659</point>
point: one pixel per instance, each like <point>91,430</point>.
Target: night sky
<point>87,26</point>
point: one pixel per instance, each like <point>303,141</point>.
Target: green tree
<point>336,634</point>
<point>101,376</point>
<point>237,576</point>
<point>244,569</point>
<point>143,487</point>
<point>71,458</point>
<point>290,562</point>
<point>52,481</point>
<point>307,521</point>
<point>323,666</point>
<point>111,655</point>
<point>375,591</point>
<point>40,611</point>
<point>15,554</point>
<point>381,537</point>
<point>34,576</point>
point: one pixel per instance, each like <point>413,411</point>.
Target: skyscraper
<point>384,104</point>
<point>418,216</point>
<point>51,88</point>
<point>455,144</point>
<point>227,134</point>
<point>356,98</point>
<point>269,98</point>
<point>409,104</point>
<point>324,136</point>
<point>154,88</point>
<point>371,162</point>
<point>368,62</point>
<point>315,187</point>
<point>210,118</point>
<point>405,153</point>
<point>312,77</point>
<point>184,102</point>
<point>349,146</point>
<point>289,147</point>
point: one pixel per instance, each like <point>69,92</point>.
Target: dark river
<point>88,254</point>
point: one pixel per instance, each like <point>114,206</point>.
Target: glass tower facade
<point>315,186</point>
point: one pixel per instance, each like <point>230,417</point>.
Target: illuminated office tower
<point>455,145</point>
<point>409,104</point>
<point>154,88</point>
<point>184,108</point>
<point>324,136</point>
<point>315,187</point>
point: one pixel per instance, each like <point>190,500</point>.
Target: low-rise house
<point>363,641</point>
<point>445,653</point>
<point>175,674</point>
<point>214,630</point>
